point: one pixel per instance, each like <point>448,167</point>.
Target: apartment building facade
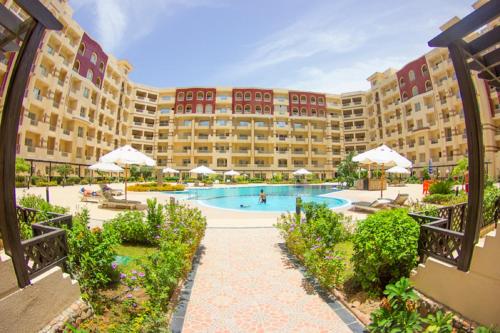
<point>80,104</point>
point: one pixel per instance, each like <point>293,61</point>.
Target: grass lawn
<point>347,248</point>
<point>136,252</point>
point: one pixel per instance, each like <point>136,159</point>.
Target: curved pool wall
<point>279,198</point>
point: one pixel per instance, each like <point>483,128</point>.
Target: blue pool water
<point>279,198</point>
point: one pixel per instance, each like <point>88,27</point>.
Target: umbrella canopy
<point>398,169</point>
<point>231,173</point>
<point>382,155</point>
<point>202,170</point>
<point>107,167</point>
<point>127,155</point>
<point>169,170</point>
<point>301,172</point>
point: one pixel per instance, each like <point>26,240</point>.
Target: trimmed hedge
<point>148,187</point>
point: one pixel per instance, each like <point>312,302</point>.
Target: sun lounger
<point>108,201</point>
<point>89,198</point>
<point>112,191</point>
<point>399,201</point>
<point>375,206</point>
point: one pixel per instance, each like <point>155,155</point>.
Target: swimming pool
<point>279,198</point>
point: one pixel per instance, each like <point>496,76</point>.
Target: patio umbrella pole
<point>382,182</point>
<point>126,168</point>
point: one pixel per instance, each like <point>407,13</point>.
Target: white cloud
<point>121,21</point>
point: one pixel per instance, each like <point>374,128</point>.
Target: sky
<point>315,45</point>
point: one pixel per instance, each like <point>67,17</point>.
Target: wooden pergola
<point>453,236</point>
<point>23,37</point>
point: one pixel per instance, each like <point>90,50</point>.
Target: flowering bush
<point>312,239</point>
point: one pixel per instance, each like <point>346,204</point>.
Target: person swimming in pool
<point>262,197</point>
<point>244,206</point>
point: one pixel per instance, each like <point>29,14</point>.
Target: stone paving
<point>245,283</point>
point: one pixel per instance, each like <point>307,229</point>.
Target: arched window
<point>267,97</point>
<point>321,113</point>
<point>414,91</point>
<point>295,111</point>
<point>424,70</point>
<point>411,75</point>
<point>76,66</point>
<point>248,96</point>
<point>101,67</point>
<point>208,108</point>
<point>405,96</point>
<point>93,58</point>
<point>98,82</point>
<point>303,112</point>
<point>321,101</point>
<point>81,49</point>
<point>295,99</point>
<point>210,96</point>
<point>258,109</point>
<point>248,109</point>
<point>428,85</point>
<point>313,112</point>
<point>200,95</point>
<point>90,75</point>
<point>267,109</point>
<point>258,96</point>
<point>189,96</point>
<point>238,96</point>
<point>402,82</point>
<point>180,96</point>
<point>189,108</point>
<point>199,108</point>
<point>180,109</point>
<point>238,109</point>
<point>313,100</point>
<point>303,99</point>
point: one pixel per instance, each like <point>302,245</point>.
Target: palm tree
<point>347,170</point>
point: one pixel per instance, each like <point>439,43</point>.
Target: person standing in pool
<point>262,197</point>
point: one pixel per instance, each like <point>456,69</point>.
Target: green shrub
<point>147,187</point>
<point>438,198</point>
<point>491,195</point>
<point>90,255</point>
<point>130,227</point>
<point>442,187</point>
<point>385,248</point>
<point>323,224</point>
<point>43,207</point>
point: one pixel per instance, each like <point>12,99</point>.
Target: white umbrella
<point>384,156</point>
<point>170,170</point>
<point>398,169</point>
<point>202,170</point>
<point>106,167</point>
<point>301,172</point>
<point>127,155</point>
<point>231,173</point>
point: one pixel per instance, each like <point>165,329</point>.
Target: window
<point>417,106</point>
<point>405,96</point>
<point>199,96</point>
<point>267,97</point>
<point>428,85</point>
<point>210,96</point>
<point>238,109</point>
<point>424,70</point>
<point>208,108</point>
<point>199,108</point>
<point>248,109</point>
<point>93,58</point>
<point>411,75</point>
<point>76,66</point>
<point>81,49</point>
<point>180,109</point>
<point>90,75</point>
<point>238,96</point>
<point>313,100</point>
<point>258,109</point>
<point>180,96</point>
<point>86,92</point>
<point>267,109</point>
<point>321,101</point>
<point>295,99</point>
<point>295,111</point>
<point>258,96</point>
<point>189,96</point>
<point>402,82</point>
<point>414,91</point>
<point>189,108</point>
<point>313,112</point>
<point>303,112</point>
<point>80,132</point>
<point>321,113</point>
<point>248,96</point>
<point>98,82</point>
<point>303,99</point>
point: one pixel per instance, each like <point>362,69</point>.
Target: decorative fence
<point>48,247</point>
<point>442,236</point>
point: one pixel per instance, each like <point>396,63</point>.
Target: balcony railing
<point>48,247</point>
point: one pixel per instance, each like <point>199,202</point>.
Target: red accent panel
<point>91,46</point>
<point>252,101</point>
<point>195,101</point>
<point>420,78</point>
<point>308,105</point>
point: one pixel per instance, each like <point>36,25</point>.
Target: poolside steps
<point>473,294</point>
<point>31,308</point>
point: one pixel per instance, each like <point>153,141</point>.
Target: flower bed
<point>148,187</point>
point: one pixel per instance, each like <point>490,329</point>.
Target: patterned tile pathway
<point>245,283</point>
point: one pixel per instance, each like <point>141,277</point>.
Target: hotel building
<point>80,104</point>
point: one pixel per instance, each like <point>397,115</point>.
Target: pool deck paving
<point>243,279</point>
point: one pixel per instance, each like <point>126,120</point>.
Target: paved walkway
<point>245,283</point>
